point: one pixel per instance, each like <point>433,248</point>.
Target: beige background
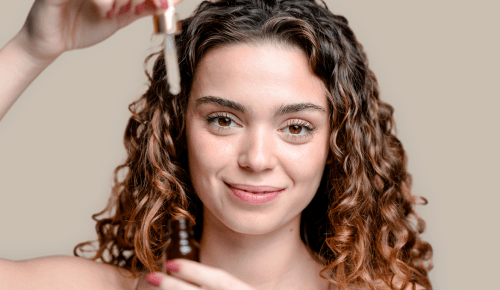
<point>437,63</point>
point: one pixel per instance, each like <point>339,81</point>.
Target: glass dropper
<point>165,22</point>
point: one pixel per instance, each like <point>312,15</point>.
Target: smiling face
<point>257,121</point>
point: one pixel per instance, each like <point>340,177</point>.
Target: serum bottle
<point>182,243</point>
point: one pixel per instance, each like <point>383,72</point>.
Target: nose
<point>258,151</point>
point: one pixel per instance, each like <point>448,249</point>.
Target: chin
<point>251,227</point>
<point>249,223</point>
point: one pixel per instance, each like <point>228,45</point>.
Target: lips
<point>254,195</point>
<point>255,188</point>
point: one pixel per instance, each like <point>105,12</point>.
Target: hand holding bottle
<point>190,275</point>
<point>55,26</point>
<point>184,270</point>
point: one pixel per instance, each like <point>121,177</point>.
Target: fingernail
<point>125,8</point>
<point>172,266</point>
<point>112,11</point>
<point>164,4</point>
<point>140,8</point>
<point>154,279</point>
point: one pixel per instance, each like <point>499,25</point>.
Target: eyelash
<point>210,120</point>
<point>301,123</point>
<point>311,129</point>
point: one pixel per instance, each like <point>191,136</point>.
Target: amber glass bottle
<point>182,243</point>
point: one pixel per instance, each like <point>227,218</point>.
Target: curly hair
<point>361,223</point>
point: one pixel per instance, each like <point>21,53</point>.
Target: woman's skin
<point>259,244</point>
<point>248,144</point>
<point>256,116</point>
<point>56,26</point>
<point>244,246</point>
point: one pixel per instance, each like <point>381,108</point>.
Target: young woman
<point>278,146</point>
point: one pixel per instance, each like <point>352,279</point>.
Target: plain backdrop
<point>436,61</point>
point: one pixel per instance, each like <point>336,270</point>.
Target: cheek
<point>208,156</point>
<point>305,168</point>
<point>305,164</point>
<point>206,152</point>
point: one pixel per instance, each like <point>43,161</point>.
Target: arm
<point>17,70</point>
<point>62,272</point>
<point>53,27</point>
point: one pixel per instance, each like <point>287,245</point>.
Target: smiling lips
<point>255,189</point>
<point>255,194</point>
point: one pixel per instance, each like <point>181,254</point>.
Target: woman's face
<point>257,121</point>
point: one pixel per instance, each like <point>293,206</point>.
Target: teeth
<point>255,192</point>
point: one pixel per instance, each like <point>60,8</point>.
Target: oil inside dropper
<point>165,23</point>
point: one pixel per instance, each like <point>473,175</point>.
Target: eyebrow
<point>281,110</point>
<point>221,102</point>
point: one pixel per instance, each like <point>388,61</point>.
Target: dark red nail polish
<point>154,279</point>
<point>164,4</point>
<point>172,266</point>
<point>140,8</point>
<point>112,11</point>
<point>125,8</point>
<point>149,4</point>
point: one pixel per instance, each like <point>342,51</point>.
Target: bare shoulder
<point>62,272</point>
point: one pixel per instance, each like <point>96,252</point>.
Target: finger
<point>127,11</point>
<point>157,3</point>
<point>106,8</point>
<point>203,275</point>
<point>166,282</point>
<point>138,6</point>
<point>112,8</point>
<point>124,6</point>
<point>149,7</point>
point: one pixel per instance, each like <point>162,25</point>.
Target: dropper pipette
<point>166,23</point>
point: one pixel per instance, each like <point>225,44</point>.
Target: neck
<point>275,260</point>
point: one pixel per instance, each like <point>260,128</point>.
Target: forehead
<point>258,74</point>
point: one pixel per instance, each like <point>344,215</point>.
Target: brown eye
<point>221,121</point>
<point>224,122</point>
<point>295,129</point>
<point>298,129</point>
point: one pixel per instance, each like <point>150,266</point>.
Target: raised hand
<point>189,275</point>
<point>55,26</point>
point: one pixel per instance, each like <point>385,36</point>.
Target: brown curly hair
<point>361,224</point>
